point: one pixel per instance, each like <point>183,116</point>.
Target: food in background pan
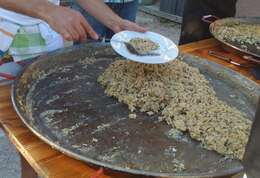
<point>246,35</point>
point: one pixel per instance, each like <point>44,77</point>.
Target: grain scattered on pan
<point>143,46</point>
<point>132,116</point>
<point>183,98</point>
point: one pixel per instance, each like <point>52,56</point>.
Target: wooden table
<point>38,157</point>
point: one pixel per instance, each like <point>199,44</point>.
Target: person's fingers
<point>71,24</point>
<point>73,33</point>
<point>134,27</point>
<point>78,27</point>
<point>81,32</point>
<point>66,35</point>
<point>140,29</point>
<point>137,28</point>
<point>88,29</point>
<point>116,29</point>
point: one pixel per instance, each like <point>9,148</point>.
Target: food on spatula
<point>143,46</point>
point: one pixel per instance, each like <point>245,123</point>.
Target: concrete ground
<point>165,27</point>
<point>9,158</point>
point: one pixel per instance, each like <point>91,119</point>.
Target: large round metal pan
<point>251,49</point>
<point>59,99</point>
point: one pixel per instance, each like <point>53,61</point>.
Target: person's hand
<point>70,24</point>
<point>126,25</point>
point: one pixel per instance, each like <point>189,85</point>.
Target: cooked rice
<point>183,98</point>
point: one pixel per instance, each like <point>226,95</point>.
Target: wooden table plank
<point>191,47</point>
<point>27,170</point>
<point>201,49</point>
<point>69,167</point>
<point>50,163</point>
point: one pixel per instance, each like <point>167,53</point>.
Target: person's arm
<point>105,15</point>
<point>69,23</point>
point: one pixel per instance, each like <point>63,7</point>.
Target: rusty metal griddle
<point>59,99</point>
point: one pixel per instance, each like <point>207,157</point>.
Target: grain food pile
<point>242,33</point>
<point>143,46</point>
<point>183,98</point>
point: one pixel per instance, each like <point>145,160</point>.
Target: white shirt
<point>52,39</point>
<point>21,19</point>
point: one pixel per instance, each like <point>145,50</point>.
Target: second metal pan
<point>236,47</point>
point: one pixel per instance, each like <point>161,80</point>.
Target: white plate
<point>168,50</point>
